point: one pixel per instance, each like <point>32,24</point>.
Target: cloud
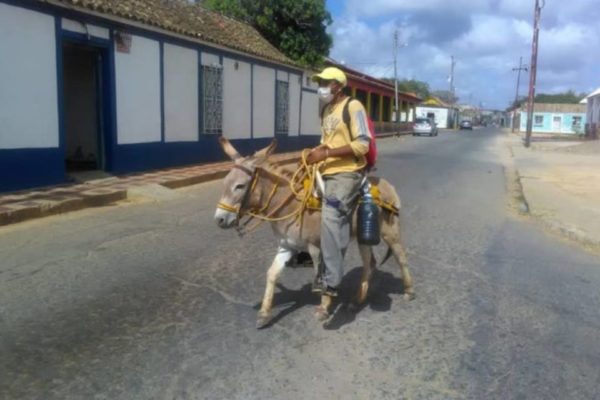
<point>487,37</point>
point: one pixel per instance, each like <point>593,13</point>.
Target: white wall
<point>138,92</point>
<point>282,76</point>
<point>311,124</point>
<point>441,115</point>
<point>28,88</point>
<point>295,87</point>
<point>181,93</point>
<point>78,27</point>
<point>307,81</point>
<point>208,59</point>
<point>264,102</point>
<point>236,99</point>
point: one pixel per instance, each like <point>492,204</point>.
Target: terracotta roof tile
<point>186,19</point>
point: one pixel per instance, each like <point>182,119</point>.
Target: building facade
<point>378,98</point>
<point>592,104</point>
<point>125,86</point>
<point>555,118</point>
<point>444,115</point>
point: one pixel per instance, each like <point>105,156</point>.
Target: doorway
<point>556,124</point>
<point>83,91</point>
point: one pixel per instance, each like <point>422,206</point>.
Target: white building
<point>445,117</point>
<point>136,85</point>
<point>593,113</point>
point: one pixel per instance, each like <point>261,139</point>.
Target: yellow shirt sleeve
<point>359,128</point>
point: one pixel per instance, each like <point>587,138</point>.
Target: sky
<point>486,37</point>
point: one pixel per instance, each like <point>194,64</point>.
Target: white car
<point>425,126</point>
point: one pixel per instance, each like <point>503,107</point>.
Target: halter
<point>304,171</point>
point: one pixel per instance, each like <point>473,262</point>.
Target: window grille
<point>212,84</point>
<point>282,112</point>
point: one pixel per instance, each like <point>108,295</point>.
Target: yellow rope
<point>304,172</point>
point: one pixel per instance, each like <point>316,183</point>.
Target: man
<point>342,157</point>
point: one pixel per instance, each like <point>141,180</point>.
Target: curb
<point>105,196</point>
<point>387,135</point>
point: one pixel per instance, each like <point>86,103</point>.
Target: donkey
<point>254,183</point>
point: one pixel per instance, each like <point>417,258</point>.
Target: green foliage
<point>296,27</point>
<point>419,88</point>
<point>569,97</point>
<point>446,96</point>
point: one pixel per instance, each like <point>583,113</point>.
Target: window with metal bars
<point>282,111</point>
<point>212,85</point>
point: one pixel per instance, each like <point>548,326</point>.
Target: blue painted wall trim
<point>300,110</point>
<point>148,156</point>
<point>59,168</point>
<point>28,168</point>
<point>200,97</point>
<point>162,91</point>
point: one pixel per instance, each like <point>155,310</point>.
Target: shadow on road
<point>383,285</point>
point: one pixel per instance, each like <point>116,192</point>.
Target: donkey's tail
<point>387,256</point>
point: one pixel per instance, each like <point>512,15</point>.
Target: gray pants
<point>341,193</point>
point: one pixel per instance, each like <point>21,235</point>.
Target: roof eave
<point>166,32</point>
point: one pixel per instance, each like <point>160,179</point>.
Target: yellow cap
<point>331,74</point>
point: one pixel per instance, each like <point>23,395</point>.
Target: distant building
<point>592,102</point>
<point>378,98</point>
<point>443,114</point>
<point>555,118</point>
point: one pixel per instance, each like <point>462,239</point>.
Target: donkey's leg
<point>368,259</point>
<point>391,235</point>
<point>315,255</point>
<point>281,259</point>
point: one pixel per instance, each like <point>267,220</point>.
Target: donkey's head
<point>238,182</point>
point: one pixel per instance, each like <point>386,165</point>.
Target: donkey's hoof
<point>409,296</point>
<point>354,307</point>
<point>321,314</point>
<point>263,321</point>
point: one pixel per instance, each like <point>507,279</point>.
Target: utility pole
<point>533,72</point>
<point>452,88</point>
<point>521,68</point>
<point>452,93</point>
<point>396,113</point>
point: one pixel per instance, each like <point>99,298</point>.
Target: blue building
<point>555,118</point>
<point>128,85</point>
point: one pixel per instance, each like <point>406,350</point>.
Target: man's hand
<point>318,154</point>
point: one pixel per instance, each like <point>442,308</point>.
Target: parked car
<point>425,126</point>
<point>466,125</point>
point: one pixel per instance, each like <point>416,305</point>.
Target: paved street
<point>152,301</point>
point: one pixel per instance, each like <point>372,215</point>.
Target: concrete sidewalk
<point>561,185</point>
<point>36,203</point>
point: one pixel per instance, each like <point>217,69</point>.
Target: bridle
<point>242,210</point>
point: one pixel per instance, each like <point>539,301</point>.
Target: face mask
<point>325,94</point>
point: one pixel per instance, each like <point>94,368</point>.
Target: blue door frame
<point>105,93</point>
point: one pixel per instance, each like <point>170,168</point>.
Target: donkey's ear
<point>229,149</point>
<point>263,154</point>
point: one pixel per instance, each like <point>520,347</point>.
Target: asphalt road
<point>152,301</point>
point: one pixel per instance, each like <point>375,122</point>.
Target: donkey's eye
<point>240,186</point>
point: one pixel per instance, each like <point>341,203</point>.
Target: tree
<point>446,96</point>
<point>568,97</point>
<point>296,27</point>
<point>419,88</point>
